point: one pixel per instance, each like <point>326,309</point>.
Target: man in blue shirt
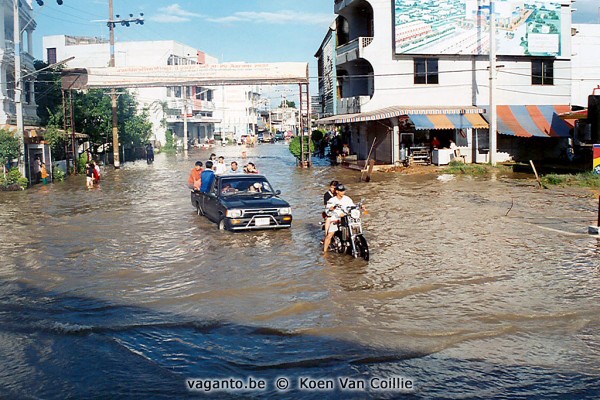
<point>208,177</point>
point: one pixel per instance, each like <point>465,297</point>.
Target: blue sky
<point>231,30</point>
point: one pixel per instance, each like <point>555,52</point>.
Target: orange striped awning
<point>532,120</point>
<point>448,121</point>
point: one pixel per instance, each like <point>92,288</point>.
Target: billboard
<point>596,164</point>
<point>523,27</point>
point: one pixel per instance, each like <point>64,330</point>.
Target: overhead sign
<point>448,27</point>
<point>186,75</point>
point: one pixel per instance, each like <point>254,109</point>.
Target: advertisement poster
<point>523,27</point>
<point>596,167</point>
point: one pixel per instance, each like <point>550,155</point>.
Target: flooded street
<point>123,291</point>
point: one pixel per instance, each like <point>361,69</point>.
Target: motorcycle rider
<point>336,208</point>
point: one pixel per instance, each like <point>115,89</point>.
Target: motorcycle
<point>349,236</point>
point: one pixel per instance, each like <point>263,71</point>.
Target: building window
<point>426,71</point>
<point>542,72</point>
<point>51,53</point>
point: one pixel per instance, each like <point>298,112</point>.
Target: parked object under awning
<point>447,121</point>
<point>532,120</point>
<point>578,114</point>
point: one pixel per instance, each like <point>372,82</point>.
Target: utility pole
<point>493,73</point>
<point>18,94</point>
<point>185,121</point>
<point>114,96</point>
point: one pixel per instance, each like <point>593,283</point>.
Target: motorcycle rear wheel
<point>362,248</point>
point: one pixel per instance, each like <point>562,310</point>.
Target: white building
<point>205,110</point>
<point>237,108</point>
<point>400,86</point>
<point>7,64</point>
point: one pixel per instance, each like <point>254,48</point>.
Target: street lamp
<point>18,97</point>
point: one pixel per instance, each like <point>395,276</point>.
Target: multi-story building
<point>406,71</point>
<point>7,64</point>
<point>204,110</point>
<point>166,105</point>
<point>327,74</point>
<point>285,119</point>
<point>237,108</point>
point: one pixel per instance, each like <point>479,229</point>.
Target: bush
<point>584,179</point>
<point>554,179</point>
<point>459,167</point>
<point>13,180</point>
<point>171,145</point>
<point>58,175</point>
<point>295,147</point>
<point>83,158</point>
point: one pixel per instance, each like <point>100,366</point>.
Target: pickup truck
<point>243,202</point>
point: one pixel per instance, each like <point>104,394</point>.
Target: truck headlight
<point>233,213</point>
<point>285,211</point>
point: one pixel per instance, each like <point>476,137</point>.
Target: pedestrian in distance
<point>89,175</point>
<point>149,153</point>
<point>45,174</point>
<point>37,169</point>
<point>96,173</point>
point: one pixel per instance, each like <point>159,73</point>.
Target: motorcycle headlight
<point>233,213</point>
<point>355,214</point>
<point>285,211</point>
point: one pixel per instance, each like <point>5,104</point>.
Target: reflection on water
<point>475,287</point>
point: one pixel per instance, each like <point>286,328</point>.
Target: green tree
<point>317,135</point>
<point>92,112</point>
<point>58,140</point>
<point>48,91</point>
<point>9,146</point>
<point>137,129</point>
<point>287,103</point>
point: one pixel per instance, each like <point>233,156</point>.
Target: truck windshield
<point>245,186</point>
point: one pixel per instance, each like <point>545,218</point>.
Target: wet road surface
<point>123,291</point>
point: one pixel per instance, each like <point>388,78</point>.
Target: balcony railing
<point>192,119</point>
<point>351,105</point>
<point>352,50</point>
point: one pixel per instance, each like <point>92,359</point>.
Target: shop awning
<point>396,111</point>
<point>447,121</point>
<point>532,120</point>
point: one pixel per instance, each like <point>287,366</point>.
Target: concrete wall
<point>586,62</point>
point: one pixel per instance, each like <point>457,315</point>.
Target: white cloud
<point>173,14</point>
<point>278,18</point>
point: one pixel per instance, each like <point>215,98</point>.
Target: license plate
<point>262,221</point>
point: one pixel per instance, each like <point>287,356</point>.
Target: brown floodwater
<point>476,287</point>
